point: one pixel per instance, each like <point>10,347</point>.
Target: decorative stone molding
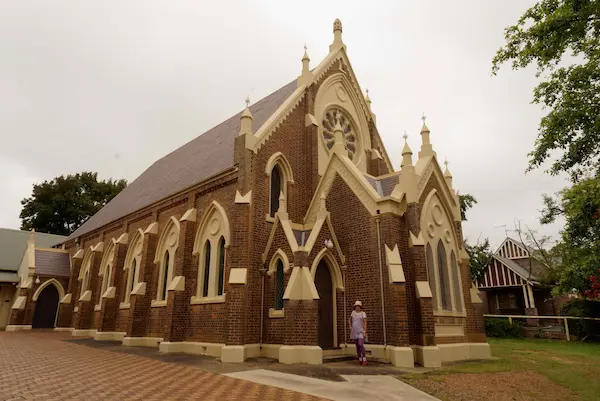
<point>278,255</point>
<point>276,313</point>
<point>139,289</point>
<point>52,281</point>
<point>142,341</point>
<point>79,254</point>
<point>310,120</point>
<point>66,299</point>
<point>177,284</point>
<point>238,275</point>
<point>245,199</point>
<point>18,327</point>
<point>109,336</point>
<point>423,290</point>
<point>416,240</point>
<point>219,299</point>
<point>394,264</point>
<point>109,293</point>
<point>474,293</point>
<point>86,297</point>
<point>123,238</point>
<point>301,285</point>
<point>152,228</point>
<point>19,303</point>
<point>189,215</point>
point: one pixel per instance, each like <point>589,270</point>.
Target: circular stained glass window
<point>332,117</point>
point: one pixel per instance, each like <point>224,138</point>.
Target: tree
<point>570,86</point>
<point>480,255</point>
<point>466,201</point>
<point>579,248</point>
<point>63,204</point>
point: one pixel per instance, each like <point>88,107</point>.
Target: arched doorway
<point>324,285</point>
<point>46,307</point>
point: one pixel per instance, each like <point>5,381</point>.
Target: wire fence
<point>555,327</point>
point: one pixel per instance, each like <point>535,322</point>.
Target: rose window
<point>332,117</point>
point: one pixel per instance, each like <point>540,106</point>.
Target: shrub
<point>496,327</point>
<point>588,330</point>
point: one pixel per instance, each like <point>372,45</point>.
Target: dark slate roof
<point>189,165</point>
<point>52,263</point>
<point>383,186</point>
<point>14,242</point>
<point>517,268</point>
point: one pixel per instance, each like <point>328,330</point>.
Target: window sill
<point>207,300</point>
<point>449,313</point>
<point>124,305</point>
<point>276,313</point>
<point>269,219</point>
<point>158,304</point>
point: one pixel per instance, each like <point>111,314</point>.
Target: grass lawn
<point>527,369</point>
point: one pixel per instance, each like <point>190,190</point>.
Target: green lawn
<point>573,365</point>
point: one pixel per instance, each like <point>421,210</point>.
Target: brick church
<point>257,237</point>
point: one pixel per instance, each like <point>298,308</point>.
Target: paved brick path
<point>40,366</point>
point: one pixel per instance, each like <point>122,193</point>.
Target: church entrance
<point>46,307</point>
<point>324,286</point>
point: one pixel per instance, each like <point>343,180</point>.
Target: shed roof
<point>14,242</point>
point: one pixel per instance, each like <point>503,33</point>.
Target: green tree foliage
<point>561,38</point>
<point>63,204</point>
<point>466,202</point>
<point>579,248</point>
<point>480,255</point>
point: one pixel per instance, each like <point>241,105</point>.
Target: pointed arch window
<point>133,276</point>
<point>164,283</point>
<point>442,265</point>
<point>206,272</point>
<point>279,285</point>
<point>275,189</point>
<point>456,283</point>
<point>221,282</point>
<point>431,275</point>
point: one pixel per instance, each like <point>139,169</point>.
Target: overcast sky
<point>111,86</point>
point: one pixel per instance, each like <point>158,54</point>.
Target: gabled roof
<point>515,267</point>
<point>14,242</point>
<point>513,249</point>
<point>197,160</point>
<point>52,263</point>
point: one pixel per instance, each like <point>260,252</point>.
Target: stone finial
<point>338,136</point>
<point>337,36</point>
<point>282,204</point>
<point>447,174</point>
<point>307,76</point>
<point>246,119</point>
<point>368,100</point>
<point>406,155</point>
<point>426,148</point>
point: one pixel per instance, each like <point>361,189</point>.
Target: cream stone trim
<point>416,241</point>
<point>449,330</point>
<point>423,290</point>
<point>83,333</point>
<point>279,158</point>
<point>99,247</point>
<point>109,335</point>
<point>289,354</point>
<point>27,283</point>
<point>18,327</point>
<point>323,218</point>
<point>142,341</point>
<point>19,303</point>
<point>110,293</point>
<point>86,297</point>
<point>276,313</point>
<point>243,199</point>
<point>278,255</point>
<point>310,120</point>
<point>139,289</point>
<point>448,313</point>
<point>168,242</point>
<point>177,284</point>
<point>123,239</point>
<point>69,329</point>
<point>158,304</point>
<point>213,226</point>
<point>66,299</point>
<point>76,309</point>
<point>196,300</point>
<point>194,348</point>
<point>301,285</point>
<point>394,264</point>
<point>189,215</point>
<point>124,305</point>
<point>427,356</point>
<point>475,298</point>
<point>433,169</point>
<point>233,354</point>
<point>334,269</point>
<point>97,307</point>
<point>134,253</point>
<point>52,281</point>
<point>78,254</point>
<point>400,357</point>
<point>464,351</point>
<point>269,126</point>
<point>238,275</point>
<point>152,228</point>
<point>107,265</point>
<point>86,263</point>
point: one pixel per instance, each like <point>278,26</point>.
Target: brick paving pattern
<point>40,366</point>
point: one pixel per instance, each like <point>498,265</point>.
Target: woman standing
<point>358,331</point>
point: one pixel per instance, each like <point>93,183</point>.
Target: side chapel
<point>255,239</point>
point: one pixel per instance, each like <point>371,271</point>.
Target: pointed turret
<point>337,36</point>
<point>426,148</point>
<point>368,100</point>
<point>306,78</point>
<point>447,174</point>
<point>407,164</point>
<point>246,120</point>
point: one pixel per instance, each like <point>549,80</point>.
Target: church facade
<point>257,237</point>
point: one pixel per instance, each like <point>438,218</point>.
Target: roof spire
<point>246,119</point>
<point>337,36</point>
<point>307,76</point>
<point>426,148</point>
<point>406,155</point>
<point>447,174</point>
<point>368,99</point>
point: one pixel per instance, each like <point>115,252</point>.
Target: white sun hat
<point>358,303</point>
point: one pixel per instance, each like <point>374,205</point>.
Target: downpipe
<point>378,220</point>
<point>263,273</point>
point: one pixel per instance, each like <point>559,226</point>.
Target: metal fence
<point>563,319</point>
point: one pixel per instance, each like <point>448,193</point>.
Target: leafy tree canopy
<point>61,205</point>
<point>579,248</point>
<point>569,87</point>
<point>480,255</point>
<point>466,202</point>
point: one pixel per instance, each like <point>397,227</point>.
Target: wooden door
<point>46,307</point>
<point>325,289</point>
